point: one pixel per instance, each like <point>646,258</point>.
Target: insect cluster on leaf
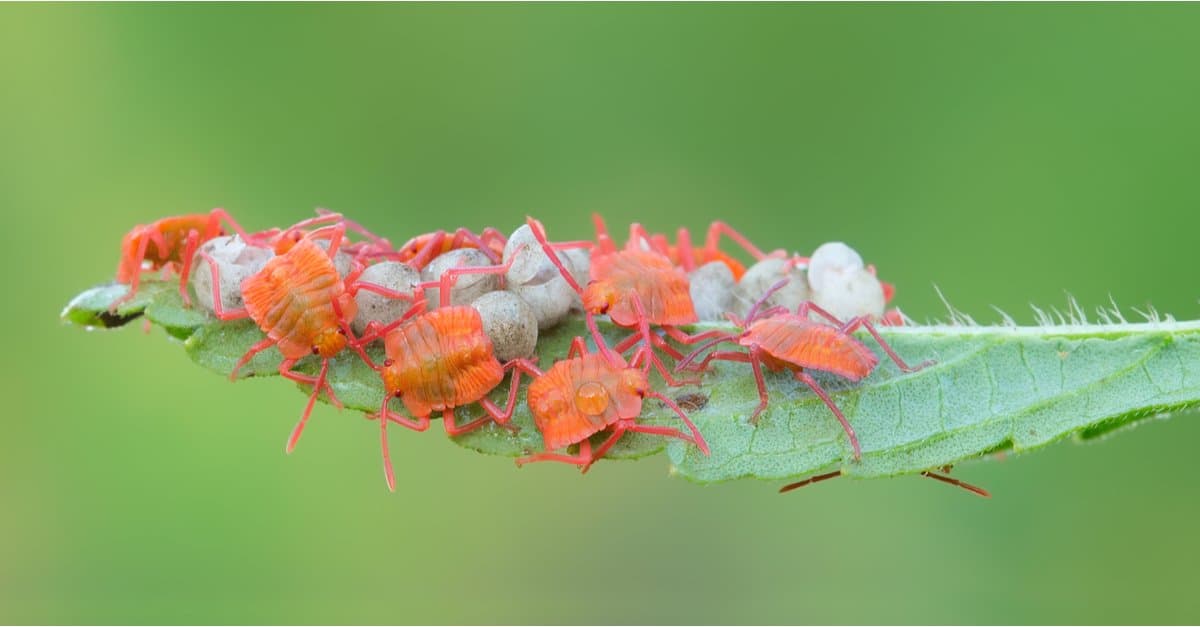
<point>459,312</point>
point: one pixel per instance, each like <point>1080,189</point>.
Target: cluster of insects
<point>459,312</point>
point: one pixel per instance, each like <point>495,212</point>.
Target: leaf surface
<point>991,389</point>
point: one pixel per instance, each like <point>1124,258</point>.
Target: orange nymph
<point>686,255</point>
<point>169,244</point>
<point>439,360</point>
<point>782,340</point>
<point>304,307</point>
<point>620,278</point>
<point>587,393</point>
<point>636,287</point>
<point>420,250</point>
<point>282,240</point>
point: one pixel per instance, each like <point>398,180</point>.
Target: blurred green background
<point>1005,153</point>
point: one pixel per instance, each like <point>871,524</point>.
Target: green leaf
<point>991,389</point>
<point>91,308</point>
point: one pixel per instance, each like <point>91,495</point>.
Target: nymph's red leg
<point>696,438</point>
<point>375,331</point>
<point>420,424</point>
<point>216,216</point>
<point>317,382</point>
<point>719,228</point>
<point>661,245</point>
<point>336,235</point>
<point>639,232</point>
<point>357,285</point>
<point>446,283</point>
<point>429,250</point>
<point>863,321</point>
<point>684,338</point>
<point>604,243</point>
<point>618,430</point>
<point>889,291</point>
<point>665,347</point>
<point>584,456</point>
<point>655,339</point>
<point>355,227</point>
<point>892,318</point>
<point>437,243</point>
<point>628,343</point>
<point>454,430</point>
<point>550,249</point>
<point>646,356</point>
<point>528,366</point>
<point>388,474</point>
<point>610,356</point>
<point>261,346</point>
<point>754,358</point>
<point>356,344</point>
<point>463,235</point>
<point>653,430</point>
<point>189,250</point>
<point>647,349</point>
<point>140,255</point>
<point>491,236</point>
<point>502,416</point>
<point>721,356</point>
<point>284,369</point>
<point>686,362</point>
<point>219,311</point>
<point>807,379</point>
<point>578,348</point>
<point>160,242</point>
<point>755,313</point>
<point>329,218</point>
<point>685,250</point>
<point>299,377</point>
<point>624,426</point>
<point>274,238</point>
<point>811,480</point>
<point>387,416</point>
<point>265,238</point>
<point>772,311</point>
<point>356,269</point>
<point>495,241</point>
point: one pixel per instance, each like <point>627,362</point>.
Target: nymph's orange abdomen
<point>663,288</point>
<point>579,397</point>
<point>793,340</point>
<point>292,297</point>
<point>440,360</point>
